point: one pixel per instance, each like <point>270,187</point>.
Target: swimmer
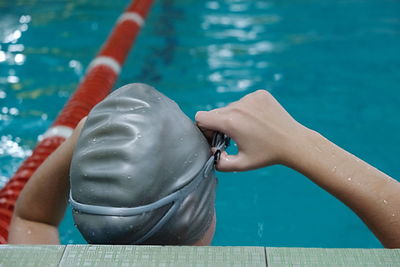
<point>136,171</point>
<point>266,135</point>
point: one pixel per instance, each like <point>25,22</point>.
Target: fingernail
<point>225,156</point>
<point>199,113</point>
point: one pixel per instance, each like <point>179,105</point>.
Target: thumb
<point>230,163</point>
<point>209,120</point>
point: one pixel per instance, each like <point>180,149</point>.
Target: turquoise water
<point>333,64</point>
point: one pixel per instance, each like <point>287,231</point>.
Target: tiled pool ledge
<point>90,255</point>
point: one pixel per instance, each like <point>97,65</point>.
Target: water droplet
<point>94,139</point>
<point>334,169</point>
<point>385,201</point>
<point>260,230</point>
<point>129,177</point>
<point>393,215</point>
<point>349,179</point>
<point>196,155</point>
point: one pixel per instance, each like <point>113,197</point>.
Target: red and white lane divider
<point>60,131</point>
<point>105,61</point>
<point>100,77</point>
<point>133,16</point>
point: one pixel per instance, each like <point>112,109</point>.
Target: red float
<point>95,86</point>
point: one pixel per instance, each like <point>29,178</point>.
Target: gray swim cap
<point>141,172</point>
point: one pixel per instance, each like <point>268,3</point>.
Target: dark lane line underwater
<point>333,65</point>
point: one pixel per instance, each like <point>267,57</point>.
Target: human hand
<point>266,134</point>
<point>264,131</point>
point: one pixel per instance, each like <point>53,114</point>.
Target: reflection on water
<point>242,44</point>
<point>224,47</point>
<point>12,56</point>
<point>11,30</point>
<point>10,149</point>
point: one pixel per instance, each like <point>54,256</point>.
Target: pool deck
<point>107,255</point>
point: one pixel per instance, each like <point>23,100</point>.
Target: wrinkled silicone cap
<point>141,172</point>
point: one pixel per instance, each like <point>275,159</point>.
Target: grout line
<point>265,255</point>
<point>62,256</point>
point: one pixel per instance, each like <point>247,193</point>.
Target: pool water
<point>334,65</point>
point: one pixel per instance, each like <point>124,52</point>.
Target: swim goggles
<point>220,142</point>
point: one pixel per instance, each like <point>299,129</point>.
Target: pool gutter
<point>118,255</point>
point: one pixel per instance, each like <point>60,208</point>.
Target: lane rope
<point>132,16</point>
<point>60,131</point>
<point>106,61</point>
<point>100,77</point>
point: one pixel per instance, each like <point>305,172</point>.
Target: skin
<point>42,203</point>
<point>266,135</point>
<point>209,235</point>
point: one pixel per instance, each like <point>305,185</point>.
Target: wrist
<point>302,147</point>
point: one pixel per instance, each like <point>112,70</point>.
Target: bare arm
<point>42,203</point>
<point>266,134</point>
<point>370,193</point>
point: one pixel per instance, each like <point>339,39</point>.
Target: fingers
<point>209,120</point>
<point>212,121</point>
<point>229,163</point>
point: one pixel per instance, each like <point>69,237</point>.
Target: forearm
<point>373,195</point>
<point>44,197</point>
<point>23,231</point>
<point>42,203</point>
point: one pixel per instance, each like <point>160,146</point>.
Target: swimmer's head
<point>135,151</point>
